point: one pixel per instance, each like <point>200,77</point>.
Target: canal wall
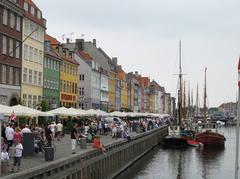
<point>94,164</point>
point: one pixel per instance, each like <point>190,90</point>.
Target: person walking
<point>9,135</point>
<point>74,137</point>
<point>26,129</point>
<point>18,148</point>
<point>59,127</point>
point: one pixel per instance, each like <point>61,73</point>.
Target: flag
<point>13,117</point>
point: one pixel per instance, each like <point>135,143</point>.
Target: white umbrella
<point>62,111</point>
<point>118,114</point>
<point>98,112</point>
<point>6,110</point>
<point>20,110</point>
<point>76,112</point>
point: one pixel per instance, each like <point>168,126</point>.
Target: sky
<point>145,34</point>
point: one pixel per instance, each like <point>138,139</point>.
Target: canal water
<point>190,163</point>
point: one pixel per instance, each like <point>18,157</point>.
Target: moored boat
<point>174,140</point>
<point>210,136</point>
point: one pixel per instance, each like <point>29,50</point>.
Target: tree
<point>44,105</point>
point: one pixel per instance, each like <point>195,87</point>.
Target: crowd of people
<point>91,130</point>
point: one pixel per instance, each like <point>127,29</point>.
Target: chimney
<point>115,60</point>
<point>68,40</point>
<point>79,44</point>
<point>95,42</point>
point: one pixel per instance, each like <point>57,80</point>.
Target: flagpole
<point>237,130</point>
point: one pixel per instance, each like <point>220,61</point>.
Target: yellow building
<point>32,55</point>
<point>124,88</point>
<point>68,79</point>
<point>111,92</point>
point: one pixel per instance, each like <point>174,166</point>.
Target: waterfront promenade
<point>63,150</point>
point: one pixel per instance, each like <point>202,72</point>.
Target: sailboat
<point>174,139</point>
<point>208,133</point>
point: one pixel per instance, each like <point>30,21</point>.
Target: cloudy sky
<point>144,35</point>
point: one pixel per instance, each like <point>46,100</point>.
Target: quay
<point>90,163</point>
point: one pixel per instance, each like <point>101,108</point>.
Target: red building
<point>11,16</point>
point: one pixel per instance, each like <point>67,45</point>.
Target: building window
<point>31,53</point>
<point>17,77</point>
<point>4,74</point>
<point>26,28</point>
<point>39,99</point>
<point>38,14</point>
<point>40,60</point>
<point>40,78</point>
<point>35,77</point>
<point>4,42</point>
<point>18,28</point>
<point>25,6</point>
<point>35,55</point>
<point>24,99</point>
<point>30,76</point>
<point>17,51</point>
<point>25,52</point>
<point>12,20</point>
<point>29,100</point>
<point>10,75</point>
<point>5,16</point>
<point>10,47</point>
<point>34,101</point>
<point>32,11</point>
<point>25,75</point>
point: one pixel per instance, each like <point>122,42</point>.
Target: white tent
<point>62,111</point>
<point>77,112</point>
<point>20,110</point>
<point>6,110</point>
<point>98,112</point>
<point>118,114</point>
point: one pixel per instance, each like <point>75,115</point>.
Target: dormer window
<point>32,11</point>
<point>25,6</point>
<point>39,14</point>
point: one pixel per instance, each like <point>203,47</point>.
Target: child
<point>97,144</point>
<point>18,148</point>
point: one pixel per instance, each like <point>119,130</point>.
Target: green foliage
<point>44,105</point>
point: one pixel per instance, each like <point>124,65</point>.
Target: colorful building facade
<point>51,77</point>
<point>33,54</point>
<point>11,15</point>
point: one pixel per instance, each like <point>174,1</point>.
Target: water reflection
<point>210,159</point>
<point>190,163</point>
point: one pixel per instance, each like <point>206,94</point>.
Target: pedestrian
<point>74,137</point>
<point>53,129</point>
<point>48,135</point>
<point>97,144</point>
<point>17,136</point>
<point>9,135</point>
<point>59,127</point>
<point>18,148</point>
<point>26,129</point>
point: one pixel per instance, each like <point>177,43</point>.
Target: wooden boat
<point>174,140</point>
<point>208,133</point>
<point>210,136</point>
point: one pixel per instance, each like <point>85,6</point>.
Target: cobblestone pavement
<point>63,149</point>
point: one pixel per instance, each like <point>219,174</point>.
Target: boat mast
<point>197,102</point>
<point>184,100</point>
<point>189,101</point>
<point>205,96</point>
<point>192,109</point>
<point>180,116</point>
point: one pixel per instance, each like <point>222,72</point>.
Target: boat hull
<point>209,138</point>
<point>175,143</point>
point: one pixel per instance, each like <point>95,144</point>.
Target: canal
<point>190,163</point>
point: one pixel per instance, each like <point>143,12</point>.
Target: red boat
<point>209,136</point>
<point>194,143</point>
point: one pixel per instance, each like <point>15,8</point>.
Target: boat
<point>174,140</point>
<point>208,133</point>
<point>194,143</point>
